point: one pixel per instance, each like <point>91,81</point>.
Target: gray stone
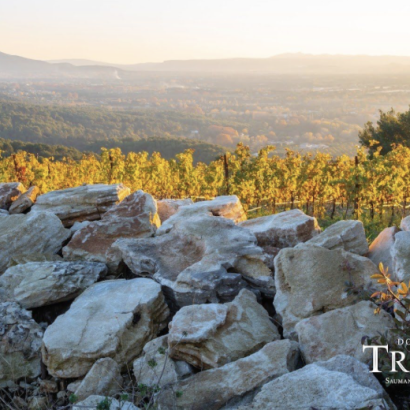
<point>24,201</point>
<point>212,335</point>
<point>169,207</point>
<point>400,253</point>
<point>283,230</point>
<point>27,234</point>
<point>9,192</point>
<point>37,284</point>
<point>381,247</point>
<point>92,402</point>
<point>113,319</point>
<point>83,203</point>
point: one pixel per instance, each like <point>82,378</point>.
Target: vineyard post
<point>226,174</point>
<point>357,187</point>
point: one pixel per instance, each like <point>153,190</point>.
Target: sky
<point>136,31</point>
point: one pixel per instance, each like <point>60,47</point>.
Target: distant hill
<point>280,64</point>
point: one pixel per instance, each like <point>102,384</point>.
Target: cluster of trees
<point>315,183</point>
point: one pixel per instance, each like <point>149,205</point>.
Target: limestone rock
<point>9,192</point>
<point>92,402</point>
<point>215,388</point>
<point>169,207</point>
<point>79,225</point>
<point>83,203</point>
<point>229,207</point>
<point>212,335</point>
<point>342,383</point>
<point>156,368</point>
<point>347,235</point>
<point>20,342</point>
<point>110,319</point>
<point>135,217</point>
<point>103,379</point>
<point>37,284</point>
<point>24,201</point>
<point>21,258</point>
<point>283,230</point>
<point>380,249</point>
<point>340,332</point>
<point>400,253</point>
<point>203,259</point>
<point>405,224</point>
<point>28,234</point>
<point>311,280</point>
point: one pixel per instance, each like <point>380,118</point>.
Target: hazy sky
<point>132,31</point>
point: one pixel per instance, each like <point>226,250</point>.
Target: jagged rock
<point>215,388</point>
<point>169,207</point>
<point>212,335</point>
<point>28,234</point>
<point>24,201</point>
<point>21,258</point>
<point>135,217</point>
<point>340,332</point>
<point>20,342</point>
<point>405,224</point>
<point>311,280</point>
<point>37,284</point>
<point>103,379</point>
<point>229,207</point>
<point>340,383</point>
<point>92,402</point>
<point>156,368</point>
<point>347,235</point>
<point>381,247</point>
<point>283,230</point>
<point>79,225</point>
<point>400,253</point>
<point>113,319</point>
<point>203,259</point>
<point>9,192</point>
<point>83,203</point>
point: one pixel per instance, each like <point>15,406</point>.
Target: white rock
<point>311,280</point>
<point>169,207</point>
<point>103,379</point>
<point>203,259</point>
<point>342,383</point>
<point>212,335</point>
<point>340,332</point>
<point>156,368</point>
<point>283,230</point>
<point>37,284</point>
<point>347,235</point>
<point>229,207</point>
<point>400,253</point>
<point>381,247</point>
<point>83,203</point>
<point>20,342</point>
<point>135,217</point>
<point>28,234</point>
<point>9,192</point>
<point>215,388</point>
<point>405,224</point>
<point>110,319</point>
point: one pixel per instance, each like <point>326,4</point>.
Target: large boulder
<point>104,379</point>
<point>28,234</point>
<point>203,259</point>
<point>405,224</point>
<point>212,335</point>
<point>215,388</point>
<point>37,284</point>
<point>83,203</point>
<point>342,383</point>
<point>283,230</point>
<point>169,207</point>
<point>24,201</point>
<point>340,331</point>
<point>381,248</point>
<point>135,217</point>
<point>400,253</point>
<point>347,235</point>
<point>156,368</point>
<point>229,207</point>
<point>311,280</point>
<point>20,343</point>
<point>10,192</point>
<point>110,319</point>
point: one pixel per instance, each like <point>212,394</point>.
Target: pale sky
<point>134,31</point>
